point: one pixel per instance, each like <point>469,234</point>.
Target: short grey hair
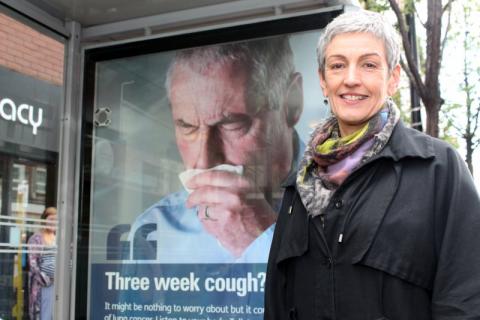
<point>269,64</point>
<point>361,21</point>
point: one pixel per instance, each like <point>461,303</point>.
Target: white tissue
<point>190,173</point>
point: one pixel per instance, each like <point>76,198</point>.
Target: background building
<point>31,86</point>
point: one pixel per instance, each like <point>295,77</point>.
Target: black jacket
<point>401,241</point>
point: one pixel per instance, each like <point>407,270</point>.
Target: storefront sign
<point>24,113</point>
<point>29,113</point>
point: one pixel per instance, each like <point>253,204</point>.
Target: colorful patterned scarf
<point>336,156</point>
<point>329,148</point>
<point>329,159</point>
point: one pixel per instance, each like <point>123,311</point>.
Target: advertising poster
<point>190,150</point>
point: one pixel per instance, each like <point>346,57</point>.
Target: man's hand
<point>231,208</point>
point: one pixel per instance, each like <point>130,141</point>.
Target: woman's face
<point>356,80</point>
<point>51,226</point>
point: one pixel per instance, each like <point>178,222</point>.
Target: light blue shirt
<point>179,236</point>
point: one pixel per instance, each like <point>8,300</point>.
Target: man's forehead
<point>207,95</point>
<point>209,67</point>
<point>187,82</point>
<point>226,87</point>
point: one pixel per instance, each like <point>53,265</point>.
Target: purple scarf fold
<point>343,154</point>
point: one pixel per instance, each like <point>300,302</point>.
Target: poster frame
<point>92,56</point>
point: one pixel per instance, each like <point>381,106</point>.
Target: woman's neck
<point>48,236</point>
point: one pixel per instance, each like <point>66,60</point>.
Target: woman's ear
<point>293,104</point>
<point>394,80</point>
<point>323,84</point>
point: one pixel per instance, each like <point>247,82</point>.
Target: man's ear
<point>293,104</point>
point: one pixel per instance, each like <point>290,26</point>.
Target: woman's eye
<point>336,66</point>
<point>370,65</point>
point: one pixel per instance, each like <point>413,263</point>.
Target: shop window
<point>31,85</point>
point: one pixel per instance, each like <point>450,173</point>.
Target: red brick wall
<point>29,52</point>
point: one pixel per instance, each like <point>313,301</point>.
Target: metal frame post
<point>68,176</point>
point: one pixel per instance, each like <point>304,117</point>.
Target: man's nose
<point>352,77</point>
<point>210,149</point>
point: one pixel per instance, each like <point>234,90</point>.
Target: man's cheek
<point>256,162</point>
<point>262,175</point>
<point>188,152</point>
<point>243,152</point>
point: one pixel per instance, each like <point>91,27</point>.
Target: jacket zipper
<point>340,188</point>
<point>331,260</point>
<point>331,266</point>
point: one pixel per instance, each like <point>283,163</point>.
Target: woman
<point>42,268</point>
<point>382,222</point>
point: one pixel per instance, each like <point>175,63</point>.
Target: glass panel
<point>187,172</point>
<point>20,242</point>
<point>31,80</point>
<point>18,228</point>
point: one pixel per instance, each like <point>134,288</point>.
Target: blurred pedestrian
<point>42,268</point>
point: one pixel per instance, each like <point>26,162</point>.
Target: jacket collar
<point>407,143</point>
<point>298,150</point>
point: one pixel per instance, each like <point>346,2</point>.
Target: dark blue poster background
<point>177,291</point>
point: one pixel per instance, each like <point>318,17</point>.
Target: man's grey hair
<point>268,61</point>
<point>357,22</point>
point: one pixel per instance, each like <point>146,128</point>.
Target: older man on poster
<point>234,109</point>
